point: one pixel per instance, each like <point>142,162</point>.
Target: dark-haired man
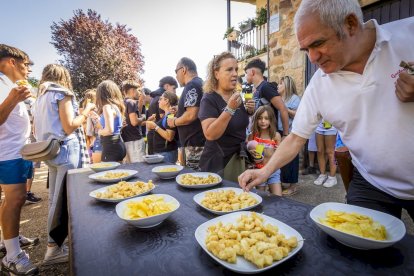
<point>132,132</point>
<point>266,93</point>
<point>169,84</point>
<point>189,127</point>
<point>14,171</point>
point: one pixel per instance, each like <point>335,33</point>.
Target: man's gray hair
<point>332,13</point>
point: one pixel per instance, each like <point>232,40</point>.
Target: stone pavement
<point>34,216</point>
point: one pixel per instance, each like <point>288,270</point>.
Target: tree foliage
<point>94,50</point>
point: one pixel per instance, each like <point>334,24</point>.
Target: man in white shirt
<point>363,92</point>
<point>14,171</point>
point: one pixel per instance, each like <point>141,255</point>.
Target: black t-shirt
<point>160,144</point>
<point>216,154</point>
<point>268,92</point>
<point>192,134</point>
<point>154,107</point>
<point>130,132</point>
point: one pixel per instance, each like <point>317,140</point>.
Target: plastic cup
<point>259,149</point>
<point>170,116</point>
<point>248,96</point>
<point>326,124</point>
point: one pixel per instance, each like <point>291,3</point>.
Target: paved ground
<point>33,221</point>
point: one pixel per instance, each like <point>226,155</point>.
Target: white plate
<point>96,176</point>
<point>167,175</point>
<point>110,166</point>
<point>149,221</point>
<point>395,228</point>
<point>199,197</point>
<point>102,190</point>
<point>152,159</point>
<point>199,174</point>
<point>242,265</point>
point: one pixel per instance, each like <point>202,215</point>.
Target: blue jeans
<point>170,156</point>
<point>67,159</point>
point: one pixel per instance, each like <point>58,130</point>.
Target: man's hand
<point>19,94</point>
<point>150,125</point>
<point>252,178</point>
<point>404,87</point>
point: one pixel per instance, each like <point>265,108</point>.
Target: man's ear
<point>352,24</point>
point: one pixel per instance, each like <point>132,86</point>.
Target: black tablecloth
<point>103,244</point>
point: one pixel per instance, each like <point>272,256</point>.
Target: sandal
<point>290,191</point>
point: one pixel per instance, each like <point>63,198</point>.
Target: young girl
<point>111,109</point>
<point>264,133</point>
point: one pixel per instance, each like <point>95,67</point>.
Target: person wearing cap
<point>266,93</point>
<point>14,171</point>
<point>168,84</point>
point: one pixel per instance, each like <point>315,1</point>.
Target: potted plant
<point>231,34</point>
<point>247,25</point>
<point>261,17</point>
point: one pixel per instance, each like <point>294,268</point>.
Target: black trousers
<point>362,193</point>
<point>113,148</point>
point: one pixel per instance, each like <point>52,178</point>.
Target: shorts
<point>15,171</point>
<point>312,143</point>
<point>273,179</point>
<point>97,146</point>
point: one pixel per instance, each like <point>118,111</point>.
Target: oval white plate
<point>149,221</point>
<point>96,176</point>
<point>101,190</point>
<point>395,227</point>
<point>199,197</point>
<point>111,166</point>
<point>199,174</point>
<point>242,265</point>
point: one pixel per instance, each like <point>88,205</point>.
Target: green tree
<point>94,50</point>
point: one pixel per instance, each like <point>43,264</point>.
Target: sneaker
<point>27,242</point>
<point>24,243</point>
<point>321,178</point>
<point>31,198</point>
<point>330,182</point>
<point>309,170</point>
<point>56,255</point>
<point>20,265</point>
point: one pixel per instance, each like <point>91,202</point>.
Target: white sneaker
<point>330,182</point>
<point>56,255</point>
<point>19,265</point>
<point>321,178</point>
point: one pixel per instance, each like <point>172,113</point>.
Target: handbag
<point>41,151</point>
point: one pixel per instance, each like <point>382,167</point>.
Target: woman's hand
<point>235,101</point>
<point>150,124</point>
<point>250,105</point>
<point>151,118</point>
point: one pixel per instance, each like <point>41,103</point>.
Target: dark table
<point>103,244</point>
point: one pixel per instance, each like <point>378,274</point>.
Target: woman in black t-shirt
<point>223,116</point>
<point>164,140</point>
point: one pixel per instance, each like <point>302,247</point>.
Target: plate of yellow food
<point>248,242</point>
<point>122,190</point>
<point>358,227</point>
<point>198,180</point>
<point>167,171</point>
<point>104,166</point>
<point>226,200</point>
<point>147,211</point>
<point>113,176</point>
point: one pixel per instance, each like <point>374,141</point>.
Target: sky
<point>166,29</point>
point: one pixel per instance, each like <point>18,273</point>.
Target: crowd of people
<point>254,139</point>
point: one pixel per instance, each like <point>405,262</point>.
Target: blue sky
<point>167,29</point>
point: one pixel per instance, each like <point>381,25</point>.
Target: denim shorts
<point>97,146</point>
<point>15,171</point>
<point>273,179</point>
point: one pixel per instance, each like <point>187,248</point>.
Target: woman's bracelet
<point>229,110</point>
